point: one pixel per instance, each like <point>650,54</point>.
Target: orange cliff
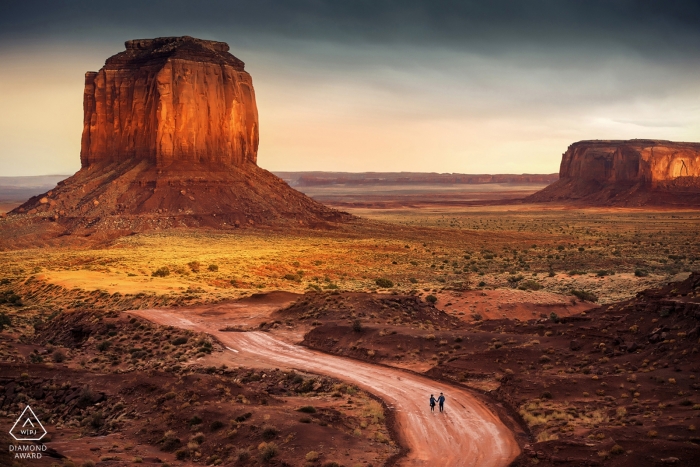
<point>627,173</point>
<point>170,100</point>
<point>170,139</point>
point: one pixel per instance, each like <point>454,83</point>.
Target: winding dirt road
<point>466,434</point>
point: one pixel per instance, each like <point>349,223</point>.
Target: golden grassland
<point>611,254</point>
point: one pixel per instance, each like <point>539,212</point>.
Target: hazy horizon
<point>449,87</point>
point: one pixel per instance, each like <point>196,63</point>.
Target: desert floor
<point>476,264</point>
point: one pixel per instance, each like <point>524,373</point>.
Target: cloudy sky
<point>370,85</point>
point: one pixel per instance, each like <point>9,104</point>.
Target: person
<point>432,403</point>
<point>441,401</point>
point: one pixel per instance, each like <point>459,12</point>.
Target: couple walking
<point>440,401</point>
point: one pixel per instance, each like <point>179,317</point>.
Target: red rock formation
<point>634,172</point>
<point>170,139</point>
<point>170,100</point>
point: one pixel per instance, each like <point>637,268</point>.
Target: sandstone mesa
<point>627,173</point>
<point>170,139</point>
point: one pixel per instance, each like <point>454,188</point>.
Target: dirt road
<point>466,434</point>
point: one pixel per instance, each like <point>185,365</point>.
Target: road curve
<point>467,434</point>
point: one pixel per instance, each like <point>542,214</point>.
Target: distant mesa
<point>636,172</point>
<point>170,139</point>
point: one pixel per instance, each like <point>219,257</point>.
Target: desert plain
<point>508,300</point>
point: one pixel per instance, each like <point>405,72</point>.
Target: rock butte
<point>627,173</point>
<point>170,139</point>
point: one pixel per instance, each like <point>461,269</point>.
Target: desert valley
<point>174,304</point>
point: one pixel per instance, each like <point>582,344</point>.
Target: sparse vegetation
<point>161,272</point>
<point>384,283</point>
<point>584,295</point>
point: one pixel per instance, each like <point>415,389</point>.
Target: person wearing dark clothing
<point>432,403</point>
<point>441,402</point>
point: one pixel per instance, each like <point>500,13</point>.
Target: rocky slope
<point>630,173</point>
<point>614,386</point>
<point>170,139</point>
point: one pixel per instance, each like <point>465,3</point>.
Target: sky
<point>370,85</point>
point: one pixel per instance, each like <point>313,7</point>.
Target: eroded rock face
<point>170,140</point>
<point>633,172</point>
<point>170,100</point>
<point>645,161</point>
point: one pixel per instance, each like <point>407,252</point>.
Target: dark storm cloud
<point>660,29</point>
<point>467,86</point>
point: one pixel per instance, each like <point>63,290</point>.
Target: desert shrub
<point>312,456</point>
<point>305,419</point>
<point>194,266</point>
<point>170,442</point>
<point>357,325</point>
<point>181,454</point>
<point>36,358</point>
<point>87,397</point>
<point>161,272</point>
<point>584,295</point>
<point>431,298</point>
<point>513,280</point>
<point>477,317</point>
<point>267,451</point>
<point>10,297</point>
<point>243,455</point>
<point>307,409</point>
<point>413,280</point>
<point>96,420</point>
<point>482,283</point>
<point>384,283</point>
<point>617,449</point>
<point>641,272</point>
<point>4,321</point>
<point>179,341</point>
<point>58,356</point>
<point>216,425</point>
<point>530,285</point>
<point>213,268</point>
<point>195,420</point>
<point>553,317</point>
<point>104,346</point>
<point>244,417</point>
<point>204,346</point>
<point>546,395</point>
<point>269,432</point>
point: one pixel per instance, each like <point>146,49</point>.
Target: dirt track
<point>466,434</point>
